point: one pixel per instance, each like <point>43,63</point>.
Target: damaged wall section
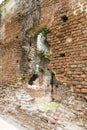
<point>67,23</point>
<point>68,44</point>
<point>10,43</point>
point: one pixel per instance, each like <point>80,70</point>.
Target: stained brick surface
<point>67,39</point>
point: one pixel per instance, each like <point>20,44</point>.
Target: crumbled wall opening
<point>67,22</point>
<point>32,79</point>
<point>36,51</point>
<point>62,55</point>
<point>64,18</point>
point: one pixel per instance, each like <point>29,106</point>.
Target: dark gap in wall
<point>30,43</point>
<point>29,59</point>
<point>52,83</point>
<point>56,86</point>
<point>16,37</point>
<point>17,61</point>
<point>62,55</point>
<point>33,78</point>
<point>64,18</point>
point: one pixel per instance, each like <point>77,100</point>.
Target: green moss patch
<point>50,106</point>
<point>33,32</point>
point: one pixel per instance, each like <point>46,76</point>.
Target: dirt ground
<point>18,106</point>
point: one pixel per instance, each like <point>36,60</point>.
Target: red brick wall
<point>10,47</point>
<point>68,39</point>
<point>68,42</point>
<point>12,28</point>
<point>10,56</point>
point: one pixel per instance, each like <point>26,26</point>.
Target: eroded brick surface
<point>67,39</point>
<point>67,23</point>
<point>16,104</point>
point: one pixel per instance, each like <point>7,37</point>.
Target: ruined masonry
<point>66,22</point>
<point>43,58</point>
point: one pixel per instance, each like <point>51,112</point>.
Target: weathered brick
<point>84,90</point>
<point>67,60</point>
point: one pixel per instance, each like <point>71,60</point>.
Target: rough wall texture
<point>10,54</point>
<point>67,22</point>
<point>68,44</point>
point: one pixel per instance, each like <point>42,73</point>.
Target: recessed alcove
<point>64,18</point>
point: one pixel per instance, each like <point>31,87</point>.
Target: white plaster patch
<point>81,6</point>
<point>0,67</point>
<point>50,51</point>
<point>52,19</point>
<point>1,1</point>
<point>68,40</point>
<point>74,12</point>
<point>9,8</point>
<point>40,43</point>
